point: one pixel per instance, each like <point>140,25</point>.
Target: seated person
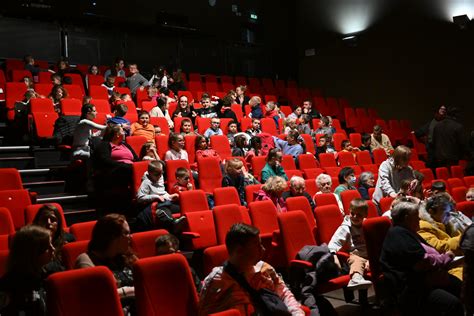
<point>305,124</point>
<point>296,113</point>
<point>148,152</point>
<point>176,148</point>
<point>184,109</point>
<point>214,129</point>
<point>161,110</point>
<point>255,149</point>
<point>366,139</point>
<point>49,217</point>
<point>290,124</point>
<point>84,132</point>
<point>346,179</point>
<point>168,244</point>
<point>347,147</point>
<point>57,94</point>
<point>224,106</point>
<point>467,246</point>
<point>293,145</point>
<point>120,110</point>
<point>221,291</point>
<point>255,129</point>
<point>380,140</point>
<point>298,188</point>
<point>207,110</point>
<point>349,237</point>
<point>271,112</point>
<point>240,146</point>
<point>324,146</point>
<point>110,247</point>
<point>237,177</point>
<point>183,181</point>
<point>324,127</point>
<point>256,110</point>
<point>366,181</point>
<point>201,146</point>
<point>470,194</point>
<point>187,128</point>
<point>143,127</point>
<point>22,286</point>
<point>308,109</point>
<point>273,190</point>
<point>324,183</point>
<point>152,189</point>
<point>109,83</point>
<point>232,129</point>
<point>273,166</point>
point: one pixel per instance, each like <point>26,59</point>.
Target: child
<point>148,152</point>
<point>202,148</point>
<point>271,112</point>
<point>236,176</point>
<point>152,189</point>
<point>255,129</point>
<point>290,125</point>
<point>256,110</point>
<point>304,127</point>
<point>119,112</point>
<point>109,84</point>
<point>470,194</point>
<point>232,129</point>
<point>143,128</point>
<point>176,148</point>
<point>207,109</point>
<point>240,147</point>
<point>350,238</point>
<point>183,181</point>
<point>214,129</point>
<point>365,138</point>
<point>347,147</point>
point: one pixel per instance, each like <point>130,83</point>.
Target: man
<point>308,109</point>
<point>214,129</point>
<point>298,188</point>
<point>136,80</point>
<point>380,140</point>
<point>255,129</point>
<point>118,69</point>
<point>291,145</point>
<point>221,291</point>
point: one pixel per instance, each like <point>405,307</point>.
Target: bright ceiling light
<point>353,17</point>
<point>457,7</point>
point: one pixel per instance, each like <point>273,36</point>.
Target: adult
<point>366,181</point>
<point>221,291</point>
<point>135,80</point>
<point>161,110</point>
<point>449,140</point>
<point>272,190</point>
<point>411,268</point>
<point>425,133</point>
<point>298,188</point>
<point>380,140</point>
<point>324,184</point>
<point>31,67</point>
<point>242,99</point>
<point>176,148</point>
<point>117,69</point>
<point>143,127</point>
<point>296,113</point>
<point>346,179</point>
<point>391,174</point>
<point>84,132</point>
<point>110,247</point>
<point>308,109</point>
<point>22,287</point>
<point>273,166</point>
<point>293,145</point>
<point>184,109</point>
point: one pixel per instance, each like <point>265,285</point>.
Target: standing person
<point>221,289</point>
<point>117,69</point>
<point>136,80</point>
<point>425,134</point>
<point>22,286</point>
<point>448,140</point>
<point>380,140</point>
<point>84,132</point>
<point>391,174</point>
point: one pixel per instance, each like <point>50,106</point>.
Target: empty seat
<point>346,159</point>
<point>209,174</point>
<point>71,106</point>
<point>469,181</point>
<point>325,199</point>
<point>466,207</point>
<point>417,164</point>
<point>19,74</point>
<point>193,201</point>
<point>455,182</point>
<point>356,139</point>
<point>98,92</point>
<point>44,124</point>
<point>6,222</point>
<point>95,287</point>
<point>143,243</point>
<point>16,201</point>
<point>200,230</point>
<point>42,105</point>
<point>379,155</point>
<point>301,203</point>
<point>363,158</point>
<point>82,231</point>
<point>220,143</point>
<point>94,80</point>
<point>442,173</point>
<point>347,197</point>
<point>74,91</point>
<point>224,217</point>
<point>327,160</point>
<point>264,217</point>
<point>459,194</point>
<point>328,219</point>
<point>226,195</point>
<point>136,142</point>
<point>213,257</point>
<point>457,172</point>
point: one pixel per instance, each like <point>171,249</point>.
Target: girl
<point>237,177</point>
<point>57,94</point>
<point>240,147</point>
<point>176,145</point>
<point>148,152</point>
<point>203,150</point>
<point>143,128</point>
<point>161,110</point>
<point>272,190</point>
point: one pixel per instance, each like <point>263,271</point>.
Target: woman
<point>296,114</point>
<point>435,228</point>
<point>21,288</point>
<point>241,98</point>
<point>273,166</point>
<point>84,132</point>
<point>391,174</point>
<point>57,94</point>
<point>110,247</point>
<point>366,181</point>
<point>415,273</point>
<point>176,145</point>
<point>201,145</point>
<point>143,128</point>
<point>184,109</point>
<point>324,184</point>
<point>272,190</point>
<point>49,217</point>
<point>161,110</point>
<point>346,179</point>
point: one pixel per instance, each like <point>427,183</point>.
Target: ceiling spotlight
<point>462,21</point>
<point>350,40</point>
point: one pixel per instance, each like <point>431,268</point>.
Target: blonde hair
<point>243,88</point>
<point>233,163</point>
<point>401,156</point>
<point>255,100</point>
<point>274,184</point>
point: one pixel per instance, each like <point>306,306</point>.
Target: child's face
<point>203,144</point>
<point>110,80</point>
<point>233,128</point>
<point>256,124</point>
<point>152,148</point>
<point>348,147</point>
<point>236,170</point>
<point>206,103</point>
<point>157,130</point>
<point>144,119</point>
<point>470,195</point>
<point>184,180</point>
<point>155,175</point>
<point>322,142</point>
<point>169,248</point>
<point>180,142</point>
<point>186,127</point>
<point>127,98</point>
<point>94,70</point>
<point>357,216</point>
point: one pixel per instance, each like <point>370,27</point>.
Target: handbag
<point>266,302</point>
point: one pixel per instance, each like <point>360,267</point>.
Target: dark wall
<point>404,66</point>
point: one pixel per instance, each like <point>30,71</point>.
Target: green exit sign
<point>253,16</point>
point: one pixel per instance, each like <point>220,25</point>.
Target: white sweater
<point>348,237</point>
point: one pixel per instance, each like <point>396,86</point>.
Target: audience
<point>273,190</point>
<point>346,179</point>
<point>183,181</point>
<point>214,129</point>
<point>380,140</point>
<point>201,146</point>
<point>256,110</point>
<point>273,166</point>
<point>237,177</point>
<point>186,128</point>
<point>148,152</point>
<point>84,132</point>
<point>242,99</point>
<point>136,80</point>
<point>176,148</point>
<point>366,181</point>
<point>324,184</point>
<point>293,145</point>
<point>255,129</point>
<point>143,128</point>
<point>308,109</point>
<point>324,127</point>
<point>298,188</point>
<point>117,69</point>
<point>161,110</point>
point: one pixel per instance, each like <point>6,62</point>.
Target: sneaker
<point>358,282</point>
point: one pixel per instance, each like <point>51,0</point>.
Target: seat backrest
<point>428,174</point>
<point>288,162</point>
<point>16,201</point>
<point>375,230</point>
<point>356,139</point>
<point>325,199</point>
<point>209,174</point>
<point>264,216</point>
<point>301,203</point>
<point>189,143</point>
<point>346,159</point>
<point>220,143</point>
<point>295,233</point>
<point>94,80</point>
<point>226,195</point>
<point>379,155</point>
<point>308,141</point>
<point>311,187</point>
<point>6,222</point>
<point>307,161</point>
<point>466,207</point>
<point>71,251</point>
<point>328,219</point>
<point>327,160</point>
<point>161,142</point>
<point>363,158</point>
<point>44,124</point>
<point>455,182</point>
<point>174,294</point>
<point>201,223</point>
<point>469,181</point>
<point>93,285</point>
<point>11,179</point>
<point>74,91</point>
<point>442,173</point>
<point>82,231</point>
<point>32,210</point>
<point>385,203</point>
<point>19,74</point>
<point>193,201</point>
<point>44,105</point>
<point>138,170</point>
<point>213,257</point>
<point>269,126</point>
<point>143,243</point>
<point>249,192</point>
<point>136,142</point>
<point>258,162</point>
<point>347,197</point>
<point>457,171</point>
<point>312,173</point>
<point>3,261</point>
<point>459,194</point>
<point>224,217</point>
<point>98,92</point>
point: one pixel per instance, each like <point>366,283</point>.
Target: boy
<point>152,189</point>
<point>183,181</point>
<point>119,112</point>
<point>207,109</point>
<point>255,129</point>
<point>232,129</point>
<point>349,237</point>
<point>109,84</point>
<point>304,127</point>
<point>256,111</point>
<point>214,129</point>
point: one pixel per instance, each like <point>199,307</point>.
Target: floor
<point>336,298</point>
